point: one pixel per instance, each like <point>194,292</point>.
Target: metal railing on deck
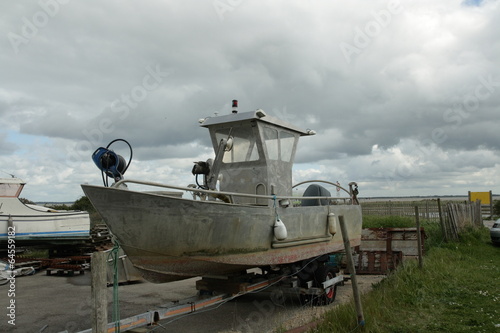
<point>201,194</point>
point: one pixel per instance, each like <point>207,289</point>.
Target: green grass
<point>456,291</point>
<point>35,253</point>
<point>373,221</point>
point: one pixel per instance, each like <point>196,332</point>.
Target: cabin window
<point>272,143</point>
<point>279,145</point>
<point>287,141</point>
<point>244,145</point>
<point>10,190</point>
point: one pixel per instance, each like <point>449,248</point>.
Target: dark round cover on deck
<point>315,190</point>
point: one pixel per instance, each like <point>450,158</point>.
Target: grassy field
<point>458,289</point>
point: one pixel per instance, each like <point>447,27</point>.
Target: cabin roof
<point>248,116</point>
<point>11,181</point>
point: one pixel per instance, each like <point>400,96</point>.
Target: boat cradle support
<point>205,299</point>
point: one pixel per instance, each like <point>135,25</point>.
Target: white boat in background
<point>32,224</point>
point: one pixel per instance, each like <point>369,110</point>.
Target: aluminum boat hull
<point>170,238</point>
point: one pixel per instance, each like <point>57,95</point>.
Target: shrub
<point>83,204</point>
<point>26,201</point>
<point>496,207</point>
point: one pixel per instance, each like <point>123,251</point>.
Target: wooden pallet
<point>376,262</point>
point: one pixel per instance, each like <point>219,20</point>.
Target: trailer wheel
<point>321,275</point>
<point>307,269</point>
<point>305,299</point>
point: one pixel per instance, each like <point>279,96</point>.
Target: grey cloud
<point>68,82</point>
<point>7,147</point>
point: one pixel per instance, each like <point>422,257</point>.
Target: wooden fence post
<point>491,206</point>
<point>441,220</point>
<point>99,315</point>
<point>478,214</point>
<point>352,270</point>
<point>419,238</point>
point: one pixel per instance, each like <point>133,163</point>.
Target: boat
<point>241,213</point>
<point>28,224</point>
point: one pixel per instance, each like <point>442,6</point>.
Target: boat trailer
<point>228,288</point>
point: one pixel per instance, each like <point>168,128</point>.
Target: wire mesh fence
<point>428,209</point>
<point>454,216</point>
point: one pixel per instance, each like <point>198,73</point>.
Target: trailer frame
<point>215,290</point>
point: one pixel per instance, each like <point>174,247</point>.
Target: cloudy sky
<point>404,96</point>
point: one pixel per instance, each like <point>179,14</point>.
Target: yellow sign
<point>485,197</point>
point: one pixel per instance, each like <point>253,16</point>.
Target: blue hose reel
<point>111,164</point>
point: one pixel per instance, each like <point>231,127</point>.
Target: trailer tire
<point>321,275</point>
<point>307,270</point>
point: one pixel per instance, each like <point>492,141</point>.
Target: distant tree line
<point>26,201</point>
<point>81,204</point>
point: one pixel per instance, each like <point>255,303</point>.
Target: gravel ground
<point>344,294</point>
<point>56,303</point>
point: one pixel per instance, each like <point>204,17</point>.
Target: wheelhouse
<point>259,156</point>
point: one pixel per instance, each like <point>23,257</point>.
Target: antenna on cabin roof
<point>235,106</point>
<point>13,176</point>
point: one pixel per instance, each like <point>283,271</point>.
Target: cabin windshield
<point>279,144</point>
<point>244,145</point>
<point>10,190</point>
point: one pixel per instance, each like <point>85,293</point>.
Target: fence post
<point>455,221</point>
<point>99,314</point>
<point>441,220</point>
<point>352,270</point>
<point>491,207</point>
<point>419,238</point>
<point>478,219</point>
